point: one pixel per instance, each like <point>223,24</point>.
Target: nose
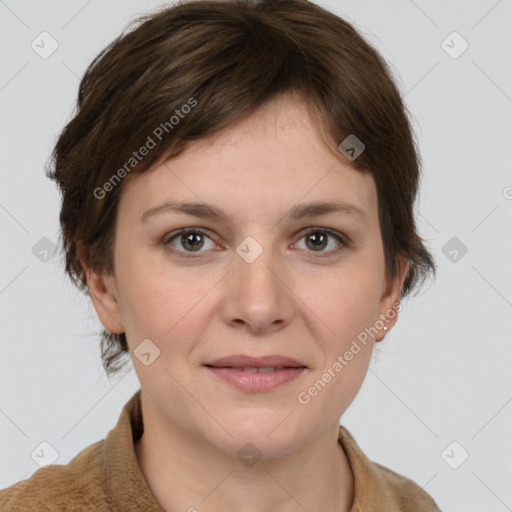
<point>258,295</point>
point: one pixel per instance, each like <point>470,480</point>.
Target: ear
<point>103,293</point>
<point>390,300</point>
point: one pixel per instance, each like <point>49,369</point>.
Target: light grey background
<point>441,375</point>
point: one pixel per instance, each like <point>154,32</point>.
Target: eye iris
<point>319,240</point>
<point>188,238</point>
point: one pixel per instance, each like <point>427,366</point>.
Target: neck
<point>187,473</point>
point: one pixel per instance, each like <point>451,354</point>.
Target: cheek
<point>347,302</point>
<point>349,310</point>
<point>157,304</point>
<point>353,311</point>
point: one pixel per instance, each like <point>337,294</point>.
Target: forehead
<point>266,162</point>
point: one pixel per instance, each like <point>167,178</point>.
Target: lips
<point>257,379</point>
<point>259,364</point>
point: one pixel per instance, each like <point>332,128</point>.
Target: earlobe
<point>104,297</point>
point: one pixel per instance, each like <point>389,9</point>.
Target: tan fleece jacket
<point>106,477</point>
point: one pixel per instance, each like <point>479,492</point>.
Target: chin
<point>263,437</point>
<point>252,448</point>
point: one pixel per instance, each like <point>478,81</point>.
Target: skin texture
<point>294,300</point>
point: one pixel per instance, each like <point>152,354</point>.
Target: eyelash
<point>344,242</point>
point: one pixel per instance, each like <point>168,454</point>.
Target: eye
<point>317,239</point>
<point>192,240</point>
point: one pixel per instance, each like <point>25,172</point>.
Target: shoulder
<point>378,488</point>
<point>411,497</point>
<point>78,485</point>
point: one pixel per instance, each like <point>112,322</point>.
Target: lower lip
<point>255,381</point>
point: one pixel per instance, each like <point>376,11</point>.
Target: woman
<point>237,200</point>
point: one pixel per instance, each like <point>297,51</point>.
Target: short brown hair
<point>226,58</point>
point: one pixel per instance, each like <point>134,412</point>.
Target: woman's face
<point>261,281</point>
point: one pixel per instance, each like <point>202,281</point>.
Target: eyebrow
<point>297,212</point>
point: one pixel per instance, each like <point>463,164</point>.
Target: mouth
<point>256,374</point>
